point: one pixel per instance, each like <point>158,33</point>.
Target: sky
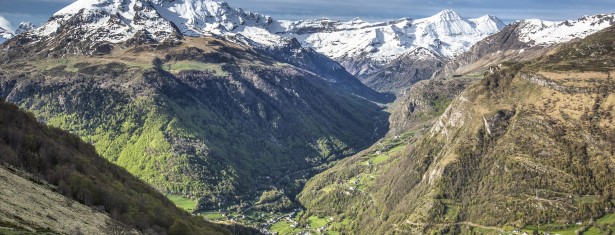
<point>38,11</point>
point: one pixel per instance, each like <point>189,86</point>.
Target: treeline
<point>65,161</point>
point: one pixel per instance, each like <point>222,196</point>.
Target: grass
<point>607,219</point>
<point>380,158</point>
<point>284,227</point>
<point>567,231</point>
<point>571,230</point>
<point>593,231</point>
<point>179,66</point>
<point>316,222</point>
<point>484,231</point>
<point>182,202</point>
<point>328,189</point>
<point>452,212</point>
<point>8,231</point>
<point>362,181</point>
<point>213,215</point>
<point>376,159</point>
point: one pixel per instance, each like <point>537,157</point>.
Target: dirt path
<point>453,224</point>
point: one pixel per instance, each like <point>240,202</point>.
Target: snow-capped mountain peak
<point>111,21</point>
<point>541,32</point>
<point>488,22</point>
<point>24,27</point>
<point>444,15</point>
<point>197,17</point>
<point>117,21</point>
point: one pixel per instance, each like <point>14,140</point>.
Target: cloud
<point>5,24</point>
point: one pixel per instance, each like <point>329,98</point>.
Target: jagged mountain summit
<point>24,27</point>
<point>391,56</point>
<point>540,32</point>
<point>97,27</point>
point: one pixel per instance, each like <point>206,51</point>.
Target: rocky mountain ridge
<point>525,40</point>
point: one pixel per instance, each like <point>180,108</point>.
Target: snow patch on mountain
<point>5,30</point>
<point>539,32</point>
<point>5,35</point>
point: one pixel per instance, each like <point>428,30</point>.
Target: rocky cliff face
<point>403,72</point>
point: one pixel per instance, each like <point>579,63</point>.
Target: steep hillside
<point>530,144</point>
<point>54,182</point>
<point>21,209</point>
<point>207,119</point>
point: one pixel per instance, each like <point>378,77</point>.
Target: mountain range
<point>362,48</point>
<point>440,125</point>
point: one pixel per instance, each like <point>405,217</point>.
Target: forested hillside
<point>73,168</point>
